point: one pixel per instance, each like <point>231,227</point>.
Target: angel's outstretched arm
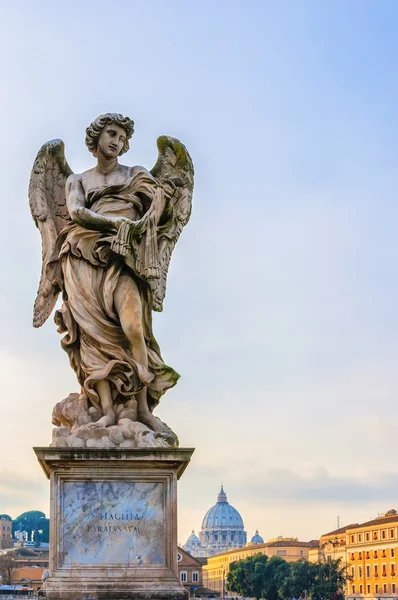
<point>81,214</point>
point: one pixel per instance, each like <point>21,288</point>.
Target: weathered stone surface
<point>107,239</point>
<point>77,428</point>
<point>113,523</point>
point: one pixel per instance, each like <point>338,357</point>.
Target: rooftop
<point>340,530</point>
<point>281,543</point>
<point>383,520</point>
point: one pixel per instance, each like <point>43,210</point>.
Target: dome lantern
<point>222,496</point>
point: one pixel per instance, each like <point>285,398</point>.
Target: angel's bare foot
<point>105,421</point>
<point>147,418</point>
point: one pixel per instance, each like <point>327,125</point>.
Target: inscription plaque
<point>113,523</point>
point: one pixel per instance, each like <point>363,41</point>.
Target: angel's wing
<point>47,203</point>
<point>174,167</point>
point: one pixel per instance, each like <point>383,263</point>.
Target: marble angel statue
<point>107,238</point>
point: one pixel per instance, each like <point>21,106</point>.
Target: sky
<point>281,308</point>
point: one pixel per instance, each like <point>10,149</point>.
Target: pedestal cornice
<point>51,458</point>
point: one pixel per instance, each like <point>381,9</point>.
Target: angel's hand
<point>139,227</point>
<point>136,228</point>
<point>117,222</point>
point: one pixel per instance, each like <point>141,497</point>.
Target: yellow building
<point>332,545</point>
<point>372,551</point>
<point>216,570</point>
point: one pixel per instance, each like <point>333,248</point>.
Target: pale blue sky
<point>281,312</point>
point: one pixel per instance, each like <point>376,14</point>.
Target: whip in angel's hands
<point>107,239</point>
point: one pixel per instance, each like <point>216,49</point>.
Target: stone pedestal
<point>113,523</point>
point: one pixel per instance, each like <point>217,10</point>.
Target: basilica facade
<point>222,530</point>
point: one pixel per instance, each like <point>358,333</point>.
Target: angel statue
<point>107,239</point>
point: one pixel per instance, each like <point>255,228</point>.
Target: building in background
<point>222,530</point>
<point>190,574</point>
<point>372,554</point>
<point>29,566</point>
<point>5,533</point>
<point>217,568</point>
<point>20,534</point>
<point>331,545</point>
<point>29,577</point>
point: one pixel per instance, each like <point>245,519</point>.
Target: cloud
<point>323,488</point>
<point>310,485</point>
<point>19,493</point>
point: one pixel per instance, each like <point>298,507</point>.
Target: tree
<point>7,566</point>
<point>37,539</point>
<point>275,579</point>
<point>4,516</point>
<point>258,577</point>
<point>246,577</point>
<point>43,530</point>
<point>277,571</point>
<point>330,579</point>
<point>33,521</point>
<point>301,580</point>
<point>318,581</point>
<point>31,517</point>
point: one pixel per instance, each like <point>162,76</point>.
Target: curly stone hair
<point>95,129</point>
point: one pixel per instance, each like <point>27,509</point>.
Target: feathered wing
<point>47,201</point>
<point>174,166</point>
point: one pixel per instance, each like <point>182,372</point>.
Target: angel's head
<point>114,130</point>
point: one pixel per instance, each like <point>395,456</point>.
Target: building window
<point>392,552</point>
<point>375,554</point>
<point>383,534</point>
<point>183,577</point>
<point>393,570</point>
<point>376,588</point>
<point>375,535</point>
<point>384,572</point>
<point>353,572</point>
<point>195,576</point>
<point>352,555</point>
<point>368,588</point>
<point>352,541</point>
<point>353,589</point>
<point>367,571</point>
<point>385,588</point>
<point>368,554</point>
<point>360,555</point>
<point>376,571</point>
<point>360,572</point>
<point>367,536</point>
<point>392,533</point>
<point>361,589</point>
<point>359,537</point>
<point>393,588</point>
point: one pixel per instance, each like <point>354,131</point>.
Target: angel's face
<point>111,140</point>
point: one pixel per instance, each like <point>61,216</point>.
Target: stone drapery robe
<point>87,270</point>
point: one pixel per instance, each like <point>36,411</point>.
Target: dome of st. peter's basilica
<point>222,529</point>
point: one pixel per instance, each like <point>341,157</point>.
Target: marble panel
<point>112,523</point>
